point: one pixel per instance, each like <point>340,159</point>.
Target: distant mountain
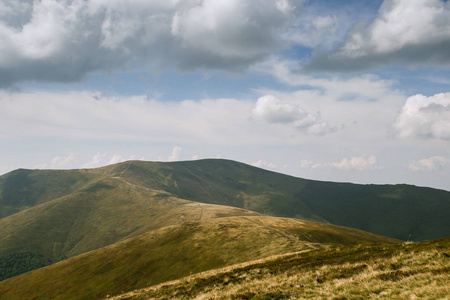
<point>176,251</point>
<point>398,211</point>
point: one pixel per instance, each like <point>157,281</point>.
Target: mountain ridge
<point>399,211</point>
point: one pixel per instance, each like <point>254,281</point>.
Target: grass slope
<point>400,271</point>
<point>399,211</point>
<point>22,189</point>
<point>98,215</point>
<point>173,252</point>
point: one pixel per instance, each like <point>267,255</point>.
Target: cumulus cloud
<point>61,40</point>
<point>176,154</point>
<point>104,159</point>
<point>273,110</point>
<point>404,32</point>
<point>264,164</point>
<point>62,161</point>
<point>426,117</point>
<point>435,163</point>
<point>116,159</point>
<point>358,163</point>
<point>309,164</point>
<point>96,161</point>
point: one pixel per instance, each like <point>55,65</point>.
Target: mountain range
<point>136,224</point>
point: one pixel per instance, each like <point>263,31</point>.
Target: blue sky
<point>355,91</point>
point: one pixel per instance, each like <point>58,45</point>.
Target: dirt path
<point>132,184</point>
<point>201,212</point>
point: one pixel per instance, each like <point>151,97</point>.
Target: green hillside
<point>399,211</point>
<point>22,189</point>
<point>401,271</point>
<point>176,251</point>
<point>98,215</point>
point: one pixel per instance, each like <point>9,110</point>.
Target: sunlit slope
<point>400,271</point>
<point>22,189</point>
<point>99,215</point>
<point>174,252</point>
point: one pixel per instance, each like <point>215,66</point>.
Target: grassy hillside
<point>99,215</point>
<point>22,189</point>
<point>399,211</point>
<point>174,252</point>
<point>401,271</point>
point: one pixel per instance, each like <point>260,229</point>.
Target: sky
<point>348,90</point>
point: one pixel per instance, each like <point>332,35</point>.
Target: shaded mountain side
<point>400,211</point>
<point>99,215</point>
<point>174,252</point>
<point>400,271</point>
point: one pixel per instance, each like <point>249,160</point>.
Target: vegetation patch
<point>17,263</point>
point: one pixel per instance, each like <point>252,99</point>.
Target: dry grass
<point>407,271</point>
<point>175,252</point>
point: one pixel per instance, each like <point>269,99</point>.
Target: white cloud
<point>435,163</point>
<point>62,161</point>
<point>273,110</point>
<point>97,161</point>
<point>358,163</point>
<point>285,6</point>
<point>264,164</point>
<point>308,164</point>
<point>59,40</point>
<point>404,32</point>
<point>176,154</point>
<point>104,159</point>
<point>116,159</point>
<point>423,116</point>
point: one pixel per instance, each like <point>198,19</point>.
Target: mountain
<point>138,224</point>
<point>398,211</point>
<point>173,252</point>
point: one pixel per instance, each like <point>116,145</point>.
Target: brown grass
<point>177,251</point>
<point>406,271</point>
